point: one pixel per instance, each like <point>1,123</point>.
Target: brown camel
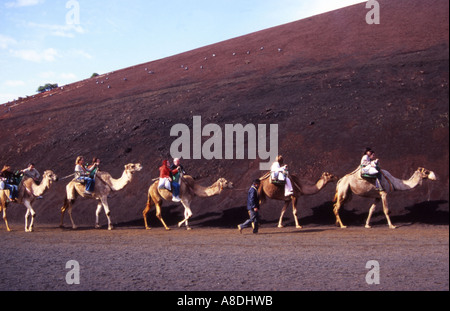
<point>104,184</point>
<point>276,192</point>
<point>354,183</point>
<point>28,192</point>
<point>188,190</point>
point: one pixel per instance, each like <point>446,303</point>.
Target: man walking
<point>252,207</point>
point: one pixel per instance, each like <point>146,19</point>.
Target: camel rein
<point>389,182</point>
<point>96,176</point>
<point>65,177</point>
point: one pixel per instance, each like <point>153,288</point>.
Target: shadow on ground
<point>426,212</point>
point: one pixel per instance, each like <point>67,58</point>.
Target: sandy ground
<point>412,257</point>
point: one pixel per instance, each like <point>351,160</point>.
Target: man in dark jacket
<point>252,207</point>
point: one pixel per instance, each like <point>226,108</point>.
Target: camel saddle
<point>277,182</point>
<point>80,181</point>
<point>370,176</point>
<point>373,178</point>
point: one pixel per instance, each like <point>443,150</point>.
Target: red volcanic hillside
<point>332,83</point>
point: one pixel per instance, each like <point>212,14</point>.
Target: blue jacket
<point>252,198</point>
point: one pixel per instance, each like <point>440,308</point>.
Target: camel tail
<point>262,195</point>
<point>342,194</point>
<point>149,202</point>
<point>65,204</point>
<point>335,197</point>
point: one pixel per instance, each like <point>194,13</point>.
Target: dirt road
<point>412,257</point>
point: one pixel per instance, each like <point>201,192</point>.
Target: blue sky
<point>63,41</point>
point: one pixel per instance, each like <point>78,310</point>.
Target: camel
<point>269,190</point>
<point>188,190</point>
<point>104,184</point>
<point>354,183</point>
<point>28,192</point>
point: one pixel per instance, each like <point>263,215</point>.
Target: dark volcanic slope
<point>332,83</point>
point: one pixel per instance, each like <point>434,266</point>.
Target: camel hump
<point>103,174</point>
<point>356,170</point>
<point>27,182</point>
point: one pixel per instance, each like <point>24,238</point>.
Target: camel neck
<point>118,184</point>
<point>38,190</point>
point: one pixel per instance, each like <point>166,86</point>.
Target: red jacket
<point>165,172</point>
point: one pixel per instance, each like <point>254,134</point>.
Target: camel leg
<point>294,212</point>
<point>67,206</point>
<point>26,219</point>
<point>3,205</point>
<point>30,211</point>
<point>5,219</point>
<point>283,210</point>
<point>104,202</point>
<point>33,216</point>
<point>158,215</point>
<point>63,211</point>
<point>371,210</point>
<point>187,215</point>
<point>337,206</point>
<point>386,209</point>
<point>144,214</point>
<point>97,215</point>
<point>69,211</point>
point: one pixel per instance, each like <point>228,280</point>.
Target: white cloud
<point>47,75</point>
<point>82,53</point>
<point>6,41</point>
<point>14,83</point>
<point>48,55</point>
<point>68,76</point>
<point>22,3</point>
<point>51,75</point>
<point>66,31</point>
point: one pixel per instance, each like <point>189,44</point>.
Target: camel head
<point>50,176</point>
<point>328,177</point>
<point>224,184</point>
<point>132,168</point>
<point>424,174</point>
